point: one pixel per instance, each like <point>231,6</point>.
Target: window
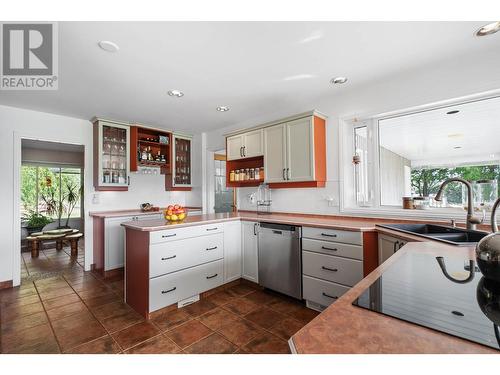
<point>412,154</point>
<point>53,191</point>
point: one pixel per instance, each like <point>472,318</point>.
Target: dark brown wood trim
<point>137,271</point>
<point>6,284</point>
<point>98,244</point>
<point>370,252</point>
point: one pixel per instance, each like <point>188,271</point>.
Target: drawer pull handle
<point>208,229</point>
<point>172,257</point>
<point>329,296</point>
<point>168,291</point>
<point>328,248</point>
<point>329,269</point>
<point>328,235</point>
<point>211,248</point>
<point>211,277</point>
<point>169,235</point>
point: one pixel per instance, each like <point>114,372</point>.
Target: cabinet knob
<point>328,235</point>
<point>211,277</point>
<point>168,291</point>
<point>328,248</point>
<point>211,248</point>
<point>329,269</point>
<point>329,296</point>
<point>172,257</point>
<point>169,235</point>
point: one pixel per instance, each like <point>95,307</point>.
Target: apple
<point>176,206</point>
<point>170,208</point>
<point>181,210</point>
<point>170,212</point>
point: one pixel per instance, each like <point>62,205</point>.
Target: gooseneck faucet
<point>471,219</point>
<point>494,225</point>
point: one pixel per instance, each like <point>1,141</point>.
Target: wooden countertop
<point>132,212</point>
<point>344,328</point>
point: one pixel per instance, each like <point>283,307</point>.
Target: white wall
<point>18,123</point>
<point>463,76</point>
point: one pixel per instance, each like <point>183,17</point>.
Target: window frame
<point>346,171</point>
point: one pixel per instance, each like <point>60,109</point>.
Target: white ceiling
<point>431,137</point>
<point>255,68</point>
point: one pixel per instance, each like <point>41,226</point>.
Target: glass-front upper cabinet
<point>181,162</point>
<point>111,155</point>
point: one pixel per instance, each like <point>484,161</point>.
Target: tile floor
<point>59,308</point>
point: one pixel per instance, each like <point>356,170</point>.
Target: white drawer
<point>185,232</point>
<point>173,256</point>
<point>321,291</point>
<point>177,286</point>
<point>333,248</point>
<point>339,270</point>
<point>334,235</point>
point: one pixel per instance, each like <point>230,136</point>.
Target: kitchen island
<point>345,329</point>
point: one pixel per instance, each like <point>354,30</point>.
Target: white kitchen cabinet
<point>299,148</point>
<point>289,151</point>
<point>387,246</point>
<point>232,251</point>
<point>246,145</point>
<point>275,153</point>
<point>249,243</point>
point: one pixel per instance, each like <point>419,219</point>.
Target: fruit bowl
<point>175,213</point>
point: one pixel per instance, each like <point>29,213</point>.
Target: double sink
<point>449,235</point>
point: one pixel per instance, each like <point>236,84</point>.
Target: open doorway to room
<point>51,208</point>
<point>225,199</point>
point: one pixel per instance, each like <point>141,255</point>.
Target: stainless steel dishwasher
<point>280,264</point>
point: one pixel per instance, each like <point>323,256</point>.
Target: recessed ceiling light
<point>298,77</point>
<point>338,80</point>
<point>452,112</point>
<point>488,29</point>
<point>455,135</point>
<point>108,46</point>
<point>457,147</point>
<point>222,108</point>
<point>176,93</point>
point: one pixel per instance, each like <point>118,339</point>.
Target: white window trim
<point>346,173</point>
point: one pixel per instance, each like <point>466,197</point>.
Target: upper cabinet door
<point>253,144</point>
<point>181,161</point>
<point>235,147</point>
<point>300,146</point>
<point>275,153</point>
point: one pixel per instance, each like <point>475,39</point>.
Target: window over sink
<point>387,158</point>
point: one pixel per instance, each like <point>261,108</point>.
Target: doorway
<point>225,199</point>
<point>51,208</point>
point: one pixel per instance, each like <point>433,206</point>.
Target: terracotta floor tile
<point>304,314</point>
<point>101,300</point>
<point>60,301</point>
<point>241,306</point>
<point>240,290</point>
<point>53,293</point>
<point>135,334</point>
<point>109,310</point>
<point>217,318</point>
<point>119,322</point>
<point>286,328</point>
<point>265,317</point>
<point>14,311</point>
<point>221,298</point>
<point>103,345</point>
<point>261,297</point>
<point>240,332</point>
<point>188,333</point>
<point>66,310</point>
<point>36,340</point>
<point>25,322</point>
<point>267,343</point>
<point>213,344</point>
<point>156,345</point>
<point>171,319</point>
<point>286,306</point>
<point>77,329</point>
<point>199,308</point>
<point>95,291</point>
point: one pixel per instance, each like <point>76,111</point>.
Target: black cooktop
<point>446,294</point>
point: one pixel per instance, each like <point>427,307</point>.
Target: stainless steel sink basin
<point>449,235</point>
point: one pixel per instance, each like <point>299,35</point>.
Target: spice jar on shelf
<point>237,175</point>
<point>247,174</point>
<point>252,174</point>
<point>231,176</point>
<point>261,173</point>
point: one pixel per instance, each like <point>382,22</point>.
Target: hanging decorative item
<point>48,181</point>
<point>356,159</point>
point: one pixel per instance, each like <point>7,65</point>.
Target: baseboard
<point>6,284</point>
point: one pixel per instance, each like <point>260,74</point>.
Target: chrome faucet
<point>494,225</point>
<point>471,219</point>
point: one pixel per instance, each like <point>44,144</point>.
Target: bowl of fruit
<point>175,213</point>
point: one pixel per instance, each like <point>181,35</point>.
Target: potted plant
<point>35,222</point>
